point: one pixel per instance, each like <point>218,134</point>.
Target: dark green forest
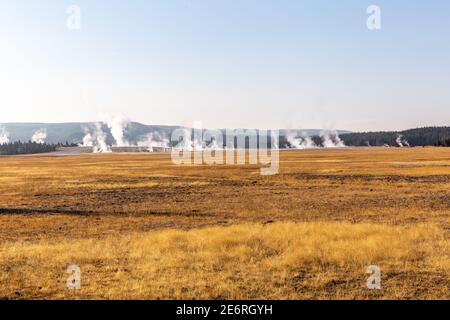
<point>429,136</point>
<point>443,143</point>
<point>18,147</point>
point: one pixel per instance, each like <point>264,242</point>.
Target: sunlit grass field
<point>140,227</point>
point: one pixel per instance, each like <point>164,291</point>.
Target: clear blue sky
<point>305,64</point>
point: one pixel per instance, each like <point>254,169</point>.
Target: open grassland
<point>280,260</point>
<point>141,227</point>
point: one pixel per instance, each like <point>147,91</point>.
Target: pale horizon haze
<point>251,64</point>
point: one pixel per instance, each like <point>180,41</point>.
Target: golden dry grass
<point>141,227</point>
<point>282,260</point>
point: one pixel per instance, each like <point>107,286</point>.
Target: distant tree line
<point>18,147</point>
<point>429,136</point>
<point>443,143</point>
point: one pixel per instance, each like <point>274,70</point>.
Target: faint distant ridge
<point>73,133</point>
<point>426,136</point>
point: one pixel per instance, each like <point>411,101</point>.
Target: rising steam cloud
<point>300,141</point>
<point>331,140</point>
<point>4,136</point>
<point>96,138</point>
<point>401,142</point>
<point>117,126</point>
<point>303,141</point>
<point>39,136</point>
<point>153,140</point>
<point>187,143</point>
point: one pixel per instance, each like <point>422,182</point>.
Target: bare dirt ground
<point>371,206</point>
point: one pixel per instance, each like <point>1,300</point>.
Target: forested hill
<point>429,136</point>
<point>16,148</point>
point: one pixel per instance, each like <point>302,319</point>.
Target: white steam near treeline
<point>191,144</point>
<point>39,136</point>
<point>152,140</point>
<point>96,137</point>
<point>117,126</point>
<point>4,136</point>
<point>303,141</point>
<point>401,142</point>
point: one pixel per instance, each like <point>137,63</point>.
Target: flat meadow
<point>140,227</point>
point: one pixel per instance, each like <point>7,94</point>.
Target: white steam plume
<point>188,143</point>
<point>338,142</point>
<point>88,140</point>
<point>331,140</point>
<point>118,125</point>
<point>39,136</point>
<point>300,142</point>
<point>197,145</point>
<point>4,136</point>
<point>153,139</point>
<point>185,143</point>
<point>96,139</point>
<point>401,142</point>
